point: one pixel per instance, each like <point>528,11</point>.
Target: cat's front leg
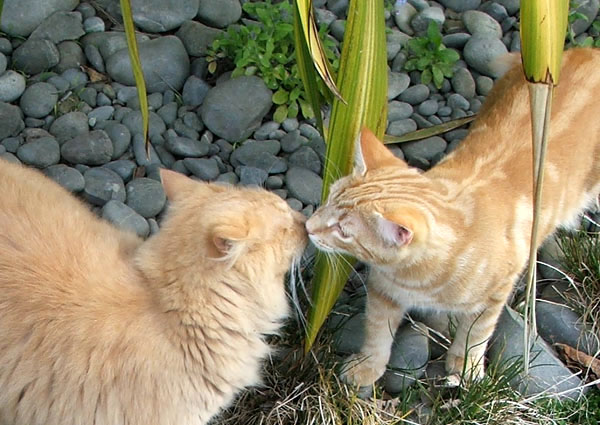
<point>466,354</point>
<point>382,319</point>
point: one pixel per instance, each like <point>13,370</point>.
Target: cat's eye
<point>340,231</point>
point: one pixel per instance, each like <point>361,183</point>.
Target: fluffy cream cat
<point>100,327</point>
<point>455,238</point>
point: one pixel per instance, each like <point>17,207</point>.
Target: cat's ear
<point>176,185</point>
<point>393,232</point>
<point>371,153</point>
<point>230,240</point>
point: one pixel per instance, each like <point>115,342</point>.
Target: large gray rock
<point>304,185</point>
<point>35,56</point>
<point>546,372</point>
<point>11,120</point>
<point>557,323</point>
<point>59,26</point>
<point>165,64</point>
<point>409,357</point>
<point>40,152</point>
<point>219,13</point>
<point>21,17</point>
<point>12,86</point>
<point>235,108</point>
<point>197,37</point>
<point>38,100</point>
<point>125,218</point>
<point>93,148</point>
<point>480,52</point>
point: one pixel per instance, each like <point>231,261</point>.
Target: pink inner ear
<point>394,233</point>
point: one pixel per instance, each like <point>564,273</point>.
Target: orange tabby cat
<point>100,327</point>
<point>455,238</point>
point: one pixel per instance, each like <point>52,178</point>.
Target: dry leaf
<point>95,76</point>
<point>583,360</point>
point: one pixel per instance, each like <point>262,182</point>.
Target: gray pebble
<point>67,177</point>
<point>495,10</point>
<point>408,359</point>
<point>263,132</point>
<point>120,137</point>
<point>456,101</point>
<point>155,101</point>
<point>197,37</point>
<point>142,157</point>
<point>102,113</point>
<point>305,157</point>
<point>186,147</point>
<point>252,149</point>
<point>456,40</point>
<point>35,56</point>
<point>5,46</point>
<point>403,15</point>
<point>205,168</point>
<point>420,120</point>
<point>194,91</point>
<point>125,218</point>
<point>146,196</point>
<point>93,24</point>
<point>292,141</point>
<point>75,77</point>
<point>229,178</point>
<point>274,182</point>
<point>38,100</point>
<point>9,157</point>
<point>484,85</point>
<point>398,82</point>
<point>461,5</point>
<point>428,107</point>
<point>191,120</point>
<point>133,121</point>
<point>93,148</point>
<point>482,24</point>
<point>480,52</point>
<point>421,20</point>
<point>401,127</point>
<point>40,152</point>
<point>102,185</point>
<point>12,86</point>
<point>168,113</point>
<point>123,167</point>
<point>463,83</point>
<point>11,144</point>
<point>309,131</point>
<point>426,148</point>
<point>290,124</point>
<point>251,176</point>
<point>399,110</point>
<point>294,204</point>
<point>415,94</point>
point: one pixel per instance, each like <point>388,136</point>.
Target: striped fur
<point>98,327</point>
<point>455,238</point>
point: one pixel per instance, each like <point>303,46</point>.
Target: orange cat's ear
<point>176,185</point>
<point>392,232</point>
<point>230,240</point>
<point>371,153</point>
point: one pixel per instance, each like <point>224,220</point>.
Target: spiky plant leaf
<point>136,66</point>
<point>362,80</point>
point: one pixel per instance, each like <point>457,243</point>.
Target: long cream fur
<point>455,238</point>
<point>100,327</point>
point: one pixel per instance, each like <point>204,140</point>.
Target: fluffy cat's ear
<point>176,185</point>
<point>370,153</point>
<point>230,240</point>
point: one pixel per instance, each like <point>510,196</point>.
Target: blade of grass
<point>428,132</point>
<point>543,30</point>
<point>136,67</point>
<point>362,80</point>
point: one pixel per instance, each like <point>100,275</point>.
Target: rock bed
<point>84,130</point>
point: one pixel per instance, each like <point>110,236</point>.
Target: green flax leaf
<point>136,67</point>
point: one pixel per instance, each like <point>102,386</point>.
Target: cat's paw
<point>362,371</point>
<point>473,369</point>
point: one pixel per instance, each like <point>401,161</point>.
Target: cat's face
<point>365,215</point>
<point>239,226</point>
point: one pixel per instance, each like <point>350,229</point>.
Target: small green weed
<point>574,15</point>
<point>429,55</point>
<point>266,48</point>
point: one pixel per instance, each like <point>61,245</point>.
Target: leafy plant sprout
<point>429,55</point>
<point>265,48</point>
